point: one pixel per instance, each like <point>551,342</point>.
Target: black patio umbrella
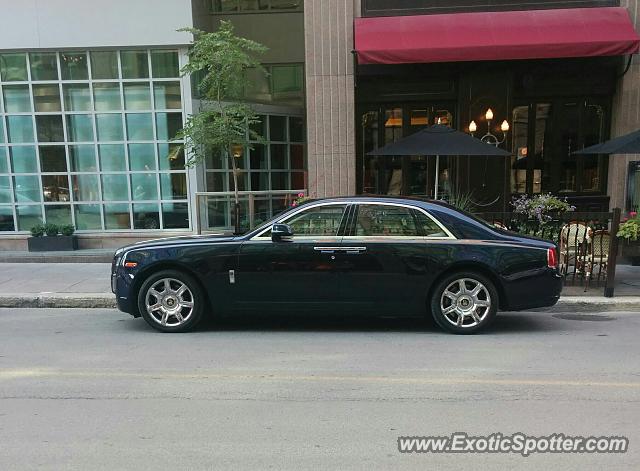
<point>439,140</point>
<point>627,144</point>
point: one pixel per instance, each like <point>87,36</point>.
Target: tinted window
<point>318,221</point>
<point>385,220</point>
<point>428,226</point>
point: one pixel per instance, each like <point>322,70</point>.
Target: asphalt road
<point>96,389</point>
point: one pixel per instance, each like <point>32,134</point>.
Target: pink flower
<point>633,214</point>
<point>300,195</point>
<point>294,204</point>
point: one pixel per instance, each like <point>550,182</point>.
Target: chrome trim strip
<point>340,249</point>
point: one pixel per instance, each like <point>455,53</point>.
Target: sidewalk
<point>87,285</point>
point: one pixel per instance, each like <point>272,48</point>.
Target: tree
<point>223,125</point>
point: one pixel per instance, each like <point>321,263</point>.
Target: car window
<point>385,220</point>
<point>316,221</point>
<point>428,227</point>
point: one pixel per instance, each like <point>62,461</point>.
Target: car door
<point>297,274</point>
<point>384,264</point>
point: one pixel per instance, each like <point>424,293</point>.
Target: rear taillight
<point>552,258</point>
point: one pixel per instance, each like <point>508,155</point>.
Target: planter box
<point>52,243</point>
<point>631,250</point>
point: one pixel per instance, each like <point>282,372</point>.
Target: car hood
<point>180,240</point>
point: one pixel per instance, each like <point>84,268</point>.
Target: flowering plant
<point>539,207</point>
<point>301,198</point>
<point>630,229</point>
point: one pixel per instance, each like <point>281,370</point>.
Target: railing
<point>587,242</point>
<point>215,210</point>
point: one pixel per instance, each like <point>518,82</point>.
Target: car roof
<point>415,200</point>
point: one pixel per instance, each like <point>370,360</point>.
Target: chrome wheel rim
<point>169,302</point>
<point>465,303</point>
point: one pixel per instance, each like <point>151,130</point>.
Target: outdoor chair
<point>597,254</point>
<point>573,238</point>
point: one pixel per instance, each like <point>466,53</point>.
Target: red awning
<point>537,34</point>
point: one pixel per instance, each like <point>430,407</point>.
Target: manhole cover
<point>584,317</point>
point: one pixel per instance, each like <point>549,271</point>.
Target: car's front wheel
<point>171,301</point>
<point>464,302</point>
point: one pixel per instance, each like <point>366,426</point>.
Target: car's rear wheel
<point>464,302</point>
<point>171,301</point>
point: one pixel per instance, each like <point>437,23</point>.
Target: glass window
<point>297,157</point>
<point>112,157</point>
<point>286,79</point>
<point>144,186</point>
<point>59,214</point>
<point>49,127</point>
<point>285,4</point>
<point>53,159</point>
<point>171,156</point>
<point>258,128</point>
<point>116,216</point>
<point>166,95</point>
<point>1,130</point>
<point>319,221</point>
<point>278,156</point>
<point>175,215</point>
<point>76,97</point>
<point>16,99</point>
<point>73,66</point>
<point>278,128</point>
<point>79,127</point>
<point>104,65</point>
<point>5,190</point>
<point>385,220</point>
<point>139,126</point>
<point>146,216</point>
<point>4,167</point>
<point>142,157</point>
<point>427,226</point>
<point>134,64</point>
<point>296,129</point>
<point>46,98</point>
<point>23,159</point>
<point>279,180</point>
<point>13,67</point>
<point>168,125</point>
<point>28,216</point>
<point>82,158</point>
<point>44,66</point>
<point>215,181</point>
<point>6,218</point>
<point>55,188</point>
<point>85,188</point>
<point>225,5</point>
<point>27,189</point>
<point>106,96</point>
<point>164,64</point>
<point>173,186</point>
<point>115,187</point>
<point>109,127</point>
<point>20,128</point>
<point>258,157</point>
<point>259,181</point>
<point>87,217</point>
<point>137,96</point>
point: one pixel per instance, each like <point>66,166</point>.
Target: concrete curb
<point>108,301</point>
<point>58,300</point>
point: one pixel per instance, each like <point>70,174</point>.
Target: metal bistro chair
<point>597,254</point>
<point>572,245</point>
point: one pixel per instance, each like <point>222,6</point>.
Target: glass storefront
<point>87,138</point>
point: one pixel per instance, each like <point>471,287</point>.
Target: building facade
<point>91,101</point>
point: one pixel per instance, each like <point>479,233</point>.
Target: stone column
<point>329,74</point>
<point>625,118</point>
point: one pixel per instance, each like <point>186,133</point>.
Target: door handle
<point>349,250</point>
<point>354,250</point>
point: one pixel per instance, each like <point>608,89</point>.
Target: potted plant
<point>629,235</point>
<point>539,214</point>
<point>50,237</point>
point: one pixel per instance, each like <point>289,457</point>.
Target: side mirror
<point>281,232</point>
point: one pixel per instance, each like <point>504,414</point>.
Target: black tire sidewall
<point>436,311</point>
<point>196,291</point>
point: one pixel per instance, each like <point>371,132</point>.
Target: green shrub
<point>37,230</point>
<point>630,230</point>
<point>51,229</point>
<point>67,229</point>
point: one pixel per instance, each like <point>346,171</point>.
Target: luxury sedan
<point>357,255</point>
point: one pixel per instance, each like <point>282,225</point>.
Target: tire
<point>465,312</point>
<point>179,310</point>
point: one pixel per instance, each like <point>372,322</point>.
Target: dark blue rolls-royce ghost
<point>371,255</point>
